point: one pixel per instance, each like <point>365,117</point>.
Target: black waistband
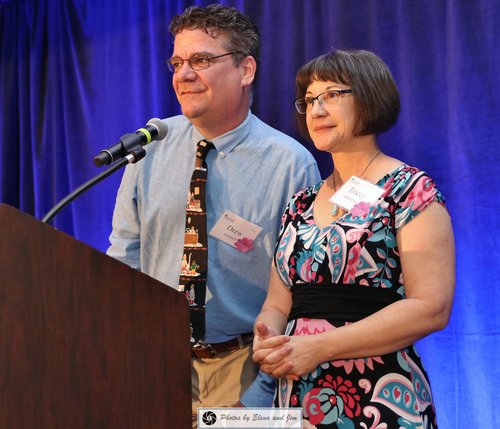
<point>348,302</point>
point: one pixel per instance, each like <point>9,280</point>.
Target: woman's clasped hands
<point>282,356</point>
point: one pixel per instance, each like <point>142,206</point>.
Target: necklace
<point>336,208</point>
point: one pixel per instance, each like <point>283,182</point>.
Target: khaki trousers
<point>220,381</point>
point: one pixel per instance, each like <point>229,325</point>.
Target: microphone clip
<point>132,148</point>
<point>131,145</point>
<point>128,144</point>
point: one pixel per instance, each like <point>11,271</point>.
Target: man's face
<point>213,96</point>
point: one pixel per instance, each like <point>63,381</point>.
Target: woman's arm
<point>271,323</point>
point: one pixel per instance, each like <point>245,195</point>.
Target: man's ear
<point>249,68</point>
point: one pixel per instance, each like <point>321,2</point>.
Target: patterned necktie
<point>193,279</point>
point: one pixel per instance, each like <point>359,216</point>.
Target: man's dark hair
<point>375,93</point>
<point>241,34</point>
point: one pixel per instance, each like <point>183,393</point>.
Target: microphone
<point>155,129</point>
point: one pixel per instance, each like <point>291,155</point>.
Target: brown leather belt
<point>207,350</point>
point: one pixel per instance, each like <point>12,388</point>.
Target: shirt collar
<point>228,141</point>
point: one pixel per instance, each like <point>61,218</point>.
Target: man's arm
<point>125,236</point>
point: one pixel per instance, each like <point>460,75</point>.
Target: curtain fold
<point>75,75</point>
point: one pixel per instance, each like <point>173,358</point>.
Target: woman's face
<point>330,121</point>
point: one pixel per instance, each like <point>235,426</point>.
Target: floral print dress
<point>389,391</point>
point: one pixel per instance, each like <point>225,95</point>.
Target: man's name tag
<point>355,191</point>
<point>235,231</point>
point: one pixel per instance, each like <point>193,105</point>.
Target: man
<point>252,173</point>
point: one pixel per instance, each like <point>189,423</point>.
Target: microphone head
<point>160,126</point>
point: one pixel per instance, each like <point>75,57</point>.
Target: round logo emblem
<point>209,418</point>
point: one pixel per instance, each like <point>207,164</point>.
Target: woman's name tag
<point>354,191</point>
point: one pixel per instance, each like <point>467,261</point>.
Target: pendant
<point>335,210</point>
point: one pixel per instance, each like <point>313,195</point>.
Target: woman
<point>356,281</point>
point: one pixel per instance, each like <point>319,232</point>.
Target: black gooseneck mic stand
<point>133,156</point>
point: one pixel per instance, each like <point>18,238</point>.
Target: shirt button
<point>222,154</point>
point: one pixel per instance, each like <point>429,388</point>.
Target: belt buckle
<point>205,350</point>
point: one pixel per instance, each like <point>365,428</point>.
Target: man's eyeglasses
<point>196,62</point>
<point>328,98</point>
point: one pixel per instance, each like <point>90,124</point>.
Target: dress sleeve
<point>285,244</point>
<point>418,190</point>
<point>294,208</point>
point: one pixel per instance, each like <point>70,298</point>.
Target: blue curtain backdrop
<point>75,75</point>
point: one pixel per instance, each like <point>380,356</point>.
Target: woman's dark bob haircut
<point>376,96</point>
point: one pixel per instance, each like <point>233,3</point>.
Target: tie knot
<point>202,149</point>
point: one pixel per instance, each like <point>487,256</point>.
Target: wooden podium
<point>86,341</point>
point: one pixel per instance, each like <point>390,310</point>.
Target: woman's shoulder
<point>304,197</point>
<point>398,173</point>
<point>407,176</point>
<point>309,191</point>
